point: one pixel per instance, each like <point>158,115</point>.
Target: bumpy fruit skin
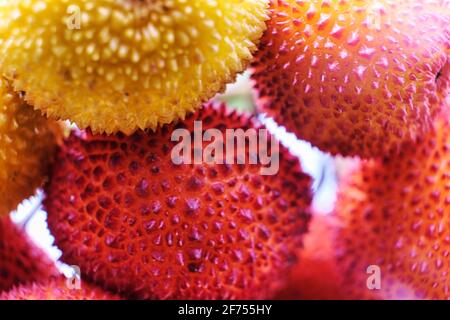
<point>395,214</point>
<point>57,289</point>
<point>355,77</point>
<point>131,64</point>
<point>316,276</point>
<point>20,260</point>
<point>27,145</point>
<point>139,224</point>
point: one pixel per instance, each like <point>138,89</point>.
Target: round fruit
<point>57,289</point>
<point>395,216</point>
<point>355,77</point>
<point>120,65</point>
<point>20,260</point>
<point>137,223</point>
<point>27,145</point>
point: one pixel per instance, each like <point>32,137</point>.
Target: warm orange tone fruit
<point>355,77</point>
<point>396,214</point>
<point>57,289</point>
<point>316,276</point>
<point>27,145</point>
<point>20,260</point>
<point>123,65</point>
<point>139,224</point>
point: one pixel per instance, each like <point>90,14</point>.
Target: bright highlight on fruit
<point>21,261</point>
<point>121,65</point>
<point>395,215</point>
<point>138,224</point>
<point>27,145</point>
<point>355,77</point>
<point>57,289</point>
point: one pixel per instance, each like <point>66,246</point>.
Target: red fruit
<point>316,276</point>
<point>20,260</point>
<point>138,224</point>
<point>355,77</point>
<point>395,214</point>
<point>57,289</point>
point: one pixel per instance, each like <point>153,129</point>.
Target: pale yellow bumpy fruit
<point>123,65</point>
<point>27,145</point>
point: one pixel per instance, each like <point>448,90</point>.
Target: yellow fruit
<point>27,143</point>
<point>121,65</point>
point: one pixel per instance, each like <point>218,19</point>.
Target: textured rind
<point>355,77</point>
<point>395,214</point>
<point>27,144</point>
<point>140,225</point>
<point>20,260</point>
<point>316,276</point>
<point>57,289</point>
<point>132,64</point>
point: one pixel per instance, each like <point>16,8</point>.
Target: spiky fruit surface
<point>20,260</point>
<point>355,77</point>
<point>27,145</point>
<point>395,214</point>
<point>316,276</point>
<point>57,289</point>
<point>130,64</point>
<point>139,224</point>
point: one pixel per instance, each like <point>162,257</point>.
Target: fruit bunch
<point>160,192</point>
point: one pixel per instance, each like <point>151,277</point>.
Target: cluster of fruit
<point>354,77</point>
